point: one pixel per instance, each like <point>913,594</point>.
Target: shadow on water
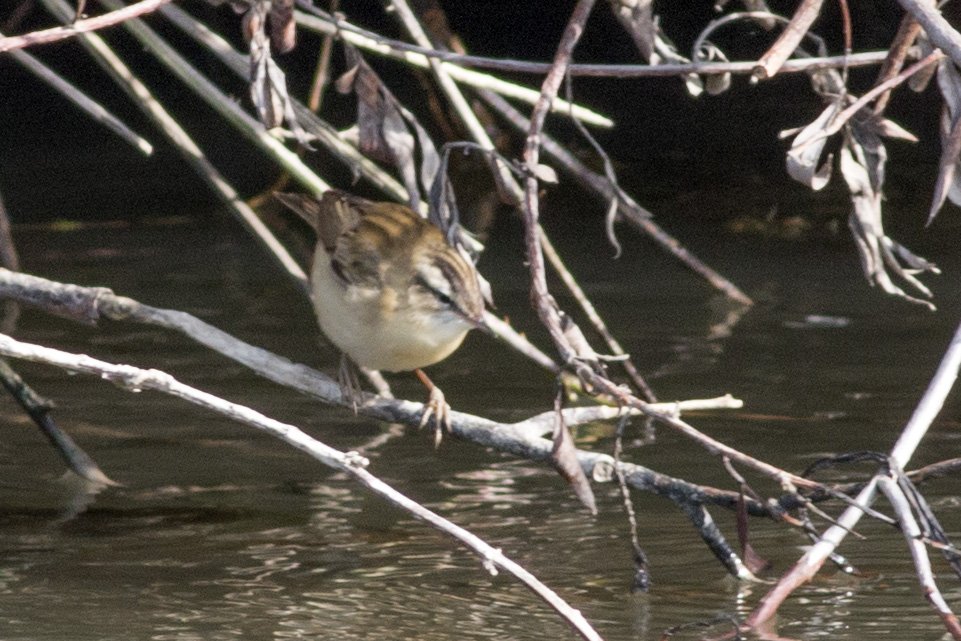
<point>220,532</point>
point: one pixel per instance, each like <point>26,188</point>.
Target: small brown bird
<point>388,289</point>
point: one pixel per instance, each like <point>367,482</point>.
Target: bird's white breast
<point>377,328</point>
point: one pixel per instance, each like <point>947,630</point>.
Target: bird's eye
<point>445,299</point>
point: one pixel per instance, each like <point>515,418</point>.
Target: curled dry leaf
<point>805,152</point>
<point>877,251</point>
<point>268,84</point>
<point>714,83</point>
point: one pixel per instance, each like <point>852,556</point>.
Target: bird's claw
<point>437,408</point>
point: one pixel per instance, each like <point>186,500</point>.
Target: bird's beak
<point>481,324</point>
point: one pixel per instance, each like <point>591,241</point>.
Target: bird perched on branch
<point>388,289</point>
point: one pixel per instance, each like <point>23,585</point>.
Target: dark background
<point>56,164</point>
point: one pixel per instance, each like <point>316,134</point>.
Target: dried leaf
<point>890,129</point>
<point>283,29</point>
<point>345,83</point>
<point>805,152</point>
<point>752,560</point>
<point>564,459</point>
<point>878,252</point>
<point>385,127</point>
<point>714,83</point>
<point>268,84</point>
<point>948,184</point>
<point>637,18</point>
<point>545,173</point>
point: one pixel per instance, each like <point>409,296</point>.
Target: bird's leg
<point>349,383</point>
<point>436,406</point>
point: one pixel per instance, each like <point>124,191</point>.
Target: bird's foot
<point>435,407</point>
<point>349,382</point>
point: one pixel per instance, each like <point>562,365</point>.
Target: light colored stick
<point>460,74</point>
<point>770,63</point>
<point>80,26</point>
<point>543,423</point>
<point>134,379</point>
<point>93,109</point>
<point>922,564</point>
<point>939,30</point>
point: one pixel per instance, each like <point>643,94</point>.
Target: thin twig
<point>92,108</point>
<point>135,379</point>
<point>402,50</point>
<point>414,56</point>
<point>81,26</point>
<point>322,74</point>
<point>907,33</point>
<point>543,302</point>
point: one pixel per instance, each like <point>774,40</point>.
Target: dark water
<point>220,532</point>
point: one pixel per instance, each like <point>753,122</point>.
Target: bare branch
<point>771,62</point>
<point>80,26</point>
<point>134,379</point>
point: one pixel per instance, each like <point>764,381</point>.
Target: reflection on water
<point>220,532</point>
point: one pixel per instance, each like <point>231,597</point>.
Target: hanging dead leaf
<point>877,251</point>
<point>283,28</point>
<point>564,458</point>
<point>805,152</point>
<point>752,560</point>
<point>948,184</point>
<point>268,84</point>
<point>385,126</point>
